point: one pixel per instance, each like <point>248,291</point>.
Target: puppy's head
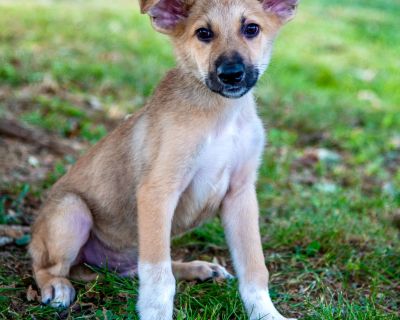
<point>226,44</point>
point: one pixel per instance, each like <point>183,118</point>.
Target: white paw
<point>156,291</point>
<point>258,304</point>
<point>58,293</point>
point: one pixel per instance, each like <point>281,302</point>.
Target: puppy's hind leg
<point>58,236</point>
<point>199,270</point>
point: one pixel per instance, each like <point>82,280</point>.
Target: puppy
<point>192,152</point>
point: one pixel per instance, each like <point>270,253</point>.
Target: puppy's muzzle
<point>232,77</point>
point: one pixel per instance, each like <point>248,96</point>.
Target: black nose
<point>231,73</point>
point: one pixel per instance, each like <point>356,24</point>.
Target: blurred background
<point>329,186</point>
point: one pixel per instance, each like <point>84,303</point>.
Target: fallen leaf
<point>14,232</point>
<point>32,295</point>
<point>328,157</point>
<point>5,240</point>
<point>327,187</point>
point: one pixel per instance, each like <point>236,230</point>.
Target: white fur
<point>266,58</point>
<point>258,303</point>
<point>256,300</point>
<point>237,137</point>
<point>156,291</point>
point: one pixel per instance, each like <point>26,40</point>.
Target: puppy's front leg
<point>156,281</point>
<point>240,219</point>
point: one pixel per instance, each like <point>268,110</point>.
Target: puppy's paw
<point>259,305</point>
<point>58,293</point>
<point>206,271</point>
<point>156,291</point>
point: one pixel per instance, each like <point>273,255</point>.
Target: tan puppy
<point>193,151</point>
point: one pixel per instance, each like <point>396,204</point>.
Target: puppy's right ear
<point>166,15</point>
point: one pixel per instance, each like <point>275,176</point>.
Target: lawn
<point>329,186</point>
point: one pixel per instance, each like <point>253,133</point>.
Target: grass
<point>331,246</point>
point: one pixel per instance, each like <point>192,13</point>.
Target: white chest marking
<point>228,147</point>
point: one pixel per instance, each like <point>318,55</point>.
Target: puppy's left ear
<point>146,4</point>
<point>166,15</point>
<point>285,10</point>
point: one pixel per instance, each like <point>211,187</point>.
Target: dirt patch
<point>23,162</point>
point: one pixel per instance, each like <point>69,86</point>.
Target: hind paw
<point>58,293</point>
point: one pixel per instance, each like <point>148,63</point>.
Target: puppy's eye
<point>204,34</point>
<point>251,30</point>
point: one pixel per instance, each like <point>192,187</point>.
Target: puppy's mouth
<point>235,92</point>
<point>232,78</point>
<point>231,91</point>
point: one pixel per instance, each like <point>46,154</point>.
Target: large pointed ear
<point>145,5</point>
<point>285,10</point>
<point>166,15</point>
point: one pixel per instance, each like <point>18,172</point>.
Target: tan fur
<point>133,185</point>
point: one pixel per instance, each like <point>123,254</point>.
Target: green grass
<point>330,243</point>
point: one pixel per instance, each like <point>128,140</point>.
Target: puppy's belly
<point>98,254</point>
<point>201,201</point>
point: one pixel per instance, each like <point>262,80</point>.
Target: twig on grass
<point>13,128</point>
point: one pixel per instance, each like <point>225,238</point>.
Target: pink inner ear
<point>283,8</point>
<point>168,13</point>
